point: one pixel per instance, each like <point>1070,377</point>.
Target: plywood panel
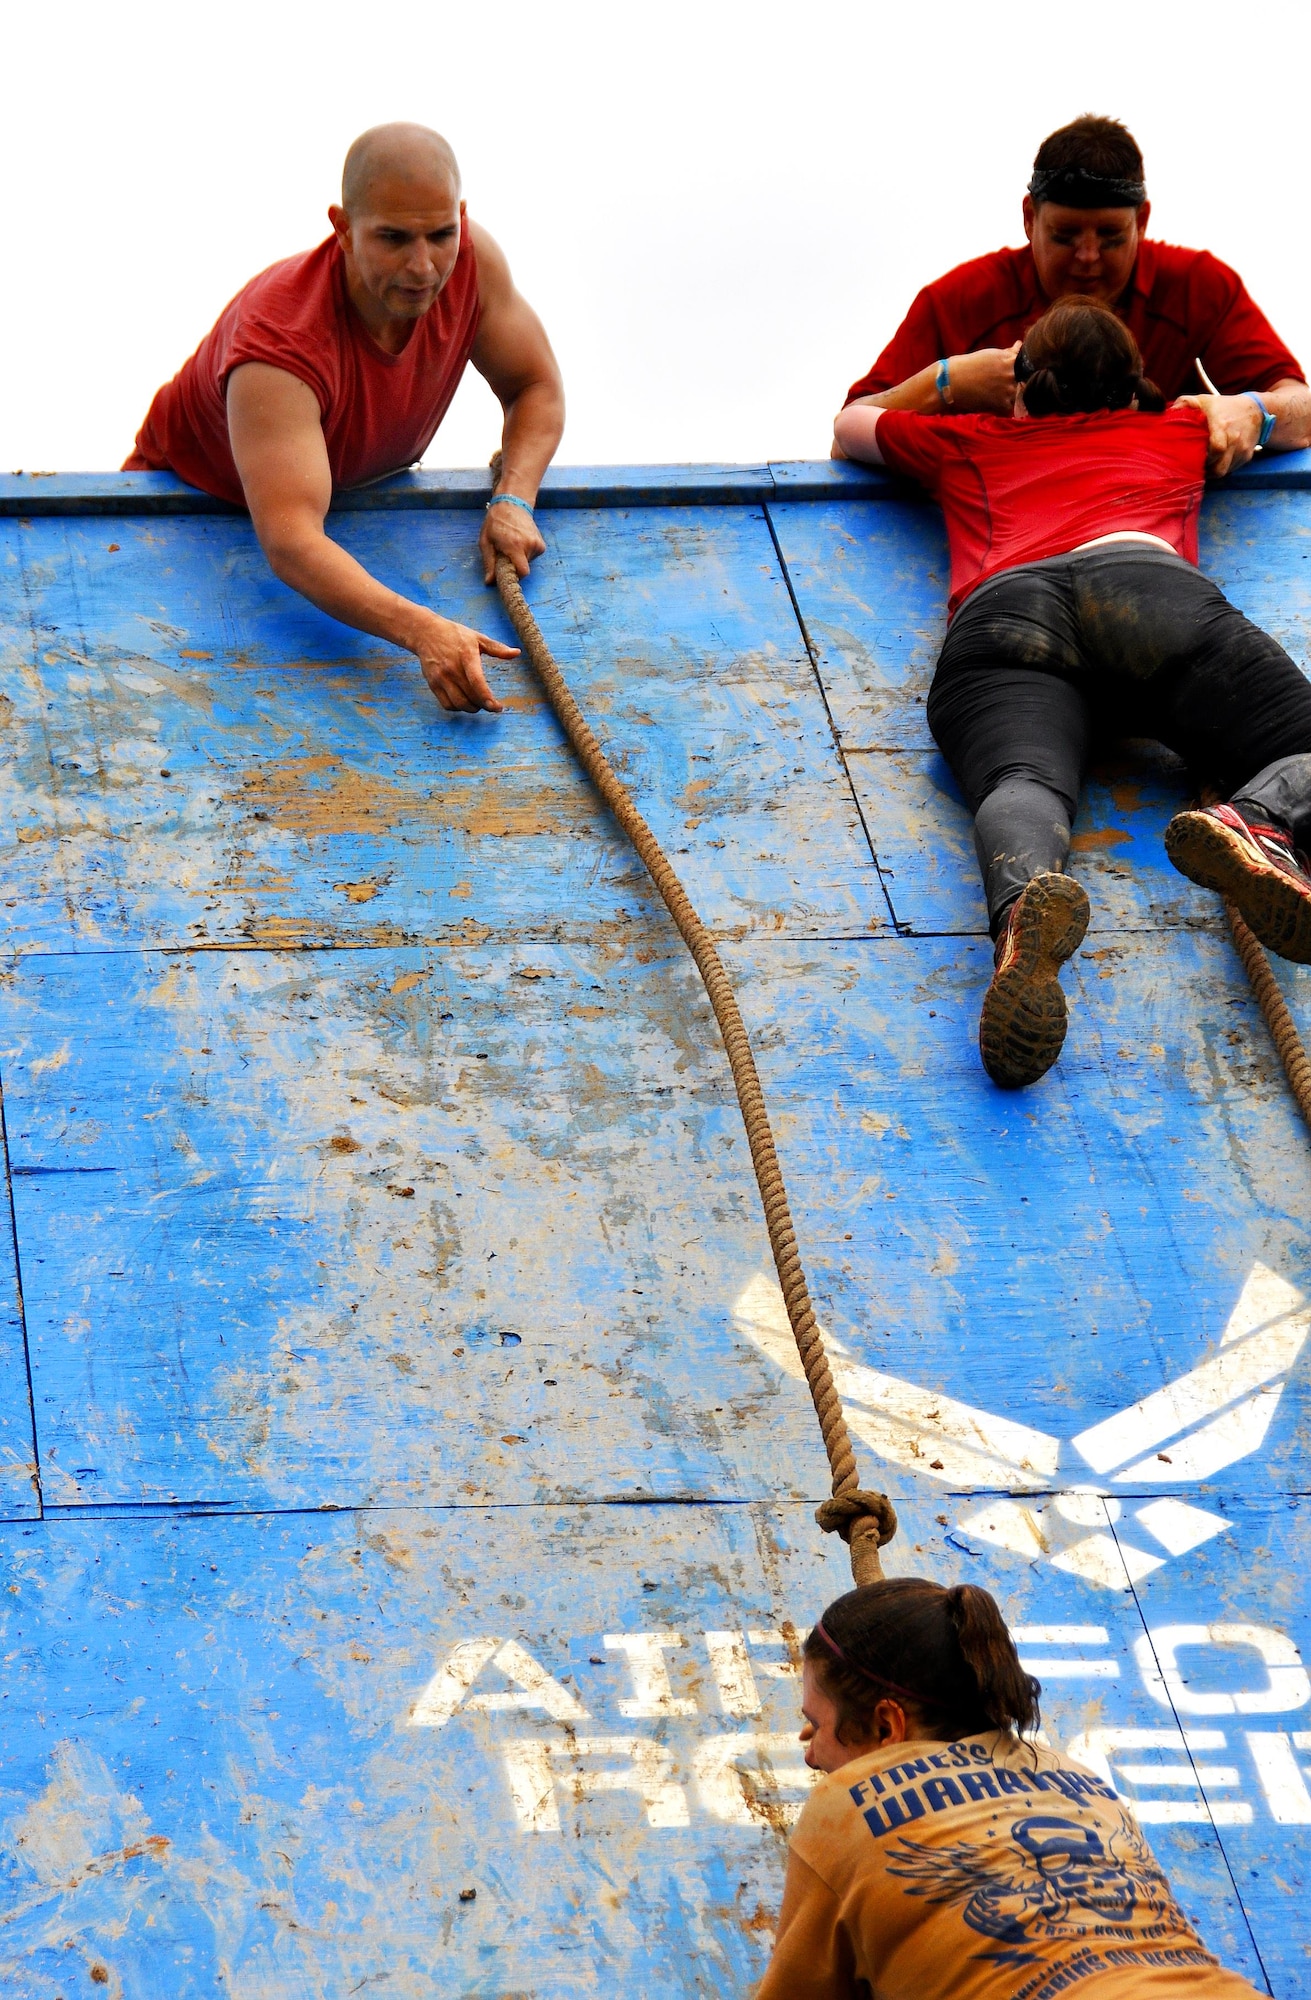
<point>232,1297</point>
<point>1258,549</point>
<point>275,1751</point>
<point>192,754</point>
<point>871,581</point>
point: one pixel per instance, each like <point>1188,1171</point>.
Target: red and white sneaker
<point>1253,866</point>
<point>1022,1026</point>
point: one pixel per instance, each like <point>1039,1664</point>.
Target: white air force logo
<point>1183,1433</point>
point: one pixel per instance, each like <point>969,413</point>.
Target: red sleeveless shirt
<point>379,410</point>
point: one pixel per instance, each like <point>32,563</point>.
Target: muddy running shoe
<point>1022,1026</point>
<point>1254,866</point>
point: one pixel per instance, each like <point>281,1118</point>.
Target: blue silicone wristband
<point>512,498</point>
<point>942,381</point>
<point>1268,419</point>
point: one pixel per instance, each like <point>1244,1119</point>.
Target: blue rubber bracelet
<point>1268,419</point>
<point>942,381</point>
<point>512,498</point>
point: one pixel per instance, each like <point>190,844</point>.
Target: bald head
<point>398,154</point>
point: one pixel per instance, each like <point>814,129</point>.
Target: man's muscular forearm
<point>309,561</point>
<point>514,355</point>
<point>534,424</point>
<point>1291,404</point>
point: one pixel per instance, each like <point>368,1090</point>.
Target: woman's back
<point>984,1869</point>
<point>1018,492</point>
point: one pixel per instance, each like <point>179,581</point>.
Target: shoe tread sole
<point>1275,909</point>
<point>1024,1019</point>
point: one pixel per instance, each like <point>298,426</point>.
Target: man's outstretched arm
<point>277,442</point>
<point>514,355</point>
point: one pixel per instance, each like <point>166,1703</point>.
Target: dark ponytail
<point>946,1653</point>
<point>1007,1695</point>
<point>1080,356</point>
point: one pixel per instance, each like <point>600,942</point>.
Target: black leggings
<point>1125,641</point>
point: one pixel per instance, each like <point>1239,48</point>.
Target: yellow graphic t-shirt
<point>987,1869</point>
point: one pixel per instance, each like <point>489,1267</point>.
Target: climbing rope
<point>1283,1029</point>
<point>1265,987</point>
<point>864,1520</point>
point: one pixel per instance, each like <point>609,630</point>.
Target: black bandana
<point>1075,187</point>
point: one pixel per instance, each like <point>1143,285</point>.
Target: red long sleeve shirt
<point>1181,304</point>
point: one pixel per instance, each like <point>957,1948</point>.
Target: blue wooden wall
<point>406,1485</point>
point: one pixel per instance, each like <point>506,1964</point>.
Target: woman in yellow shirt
<point>948,1856</point>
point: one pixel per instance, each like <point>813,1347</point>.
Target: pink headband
<point>878,1680</point>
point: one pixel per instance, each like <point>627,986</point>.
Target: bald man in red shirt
<point>1085,223</point>
<point>334,368</point>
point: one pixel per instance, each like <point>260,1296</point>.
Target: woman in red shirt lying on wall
<point>1076,605</point>
<point>949,1856</point>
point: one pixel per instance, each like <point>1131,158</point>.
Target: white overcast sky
<point>721,210</point>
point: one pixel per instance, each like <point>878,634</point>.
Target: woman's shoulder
<point>824,1835</point>
<point>843,1799</point>
<point>849,1790</point>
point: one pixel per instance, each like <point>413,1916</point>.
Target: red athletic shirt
<point>1180,304</point>
<point>1015,492</point>
<point>379,410</point>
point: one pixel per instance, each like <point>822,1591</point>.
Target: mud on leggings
<point>1127,641</point>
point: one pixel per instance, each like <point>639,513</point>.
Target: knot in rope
<point>840,1514</point>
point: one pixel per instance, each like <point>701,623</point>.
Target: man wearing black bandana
<point>1085,218</point>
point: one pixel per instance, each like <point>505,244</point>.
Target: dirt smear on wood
<point>322,796</point>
